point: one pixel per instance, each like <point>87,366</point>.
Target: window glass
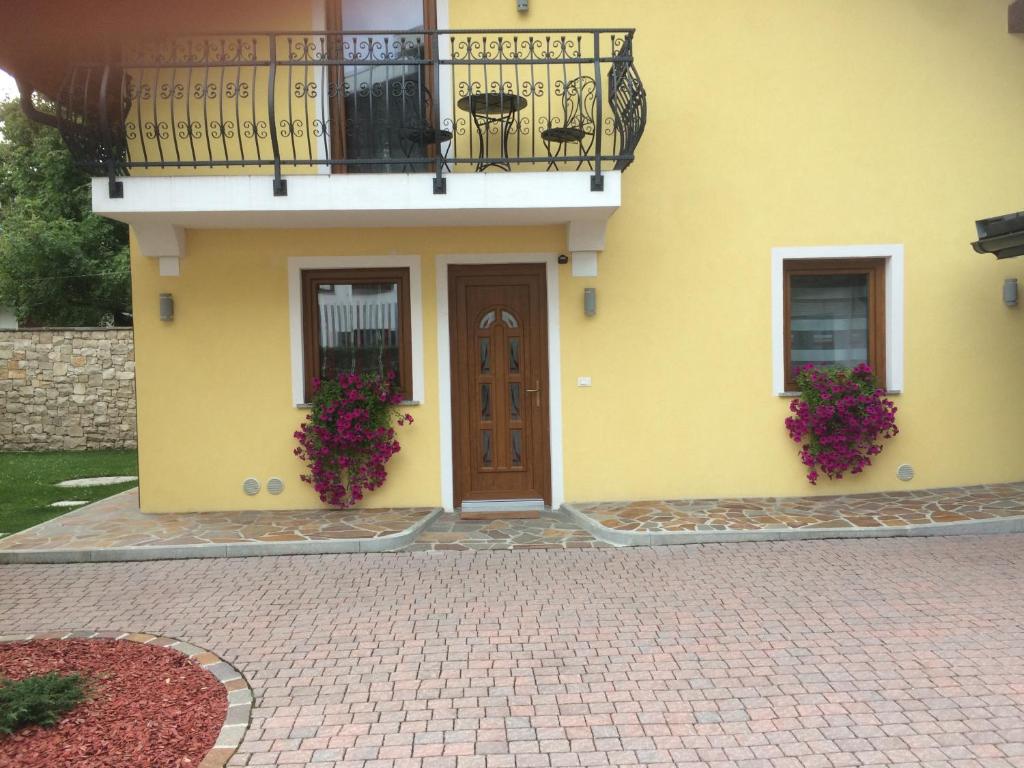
<point>359,328</point>
<point>828,320</point>
<point>375,15</point>
<point>384,98</point>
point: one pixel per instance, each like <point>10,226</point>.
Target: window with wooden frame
<point>834,314</point>
<point>357,321</point>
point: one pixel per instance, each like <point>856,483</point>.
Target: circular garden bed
<point>146,706</point>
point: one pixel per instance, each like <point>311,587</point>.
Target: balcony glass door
<point>381,101</point>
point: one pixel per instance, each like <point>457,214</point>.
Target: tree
<point>60,264</point>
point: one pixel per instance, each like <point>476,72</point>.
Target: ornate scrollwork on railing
<point>371,101</point>
<point>628,101</point>
<point>92,108</point>
<point>255,130</point>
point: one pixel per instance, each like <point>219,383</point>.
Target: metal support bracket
<point>280,187</point>
<point>115,188</point>
<point>440,186</point>
<point>597,183</point>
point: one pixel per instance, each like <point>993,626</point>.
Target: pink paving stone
<point>812,653</point>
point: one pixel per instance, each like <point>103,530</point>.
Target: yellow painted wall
<point>214,385</point>
<point>782,123</point>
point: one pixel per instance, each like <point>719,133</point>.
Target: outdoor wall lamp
<point>166,307</point>
<point>1010,291</point>
<point>1001,235</point>
<point>589,302</point>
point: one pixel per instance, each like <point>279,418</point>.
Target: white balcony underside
<point>161,208</point>
<point>492,198</point>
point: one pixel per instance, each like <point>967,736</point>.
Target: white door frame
<point>444,370</point>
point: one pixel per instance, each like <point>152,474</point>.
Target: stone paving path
<point>117,522</point>
<point>116,529</point>
<point>875,510</point>
<point>820,654</point>
<point>552,530</point>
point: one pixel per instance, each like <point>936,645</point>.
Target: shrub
<point>840,416</point>
<point>39,700</point>
<point>348,436</point>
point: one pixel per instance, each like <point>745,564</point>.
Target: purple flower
<point>347,439</point>
<point>839,419</point>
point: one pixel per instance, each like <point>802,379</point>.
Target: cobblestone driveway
<point>891,652</point>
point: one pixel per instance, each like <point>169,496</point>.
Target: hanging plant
<point>349,436</point>
<point>840,418</point>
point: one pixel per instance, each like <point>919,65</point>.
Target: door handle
<point>535,391</point>
<point>531,391</point>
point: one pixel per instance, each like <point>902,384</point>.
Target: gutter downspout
<point>26,90</point>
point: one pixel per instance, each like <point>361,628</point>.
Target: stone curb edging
<point>240,696</point>
<point>386,543</point>
<point>655,538</point>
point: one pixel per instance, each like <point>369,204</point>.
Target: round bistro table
<point>493,109</point>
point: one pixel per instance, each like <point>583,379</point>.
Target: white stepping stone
<point>88,482</point>
<point>68,503</point>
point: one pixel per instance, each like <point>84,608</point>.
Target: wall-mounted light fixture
<point>589,302</point>
<point>1010,291</point>
<point>166,307</point>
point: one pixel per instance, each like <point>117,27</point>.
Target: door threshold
<point>501,509</point>
<point>494,514</point>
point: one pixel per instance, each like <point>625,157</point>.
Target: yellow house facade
<point>781,182</point>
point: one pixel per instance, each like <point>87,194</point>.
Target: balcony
<point>355,126</point>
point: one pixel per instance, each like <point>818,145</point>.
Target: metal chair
<point>417,129</point>
<point>578,124</point>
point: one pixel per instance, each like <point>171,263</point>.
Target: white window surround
<point>894,309</point>
<point>295,267</point>
<point>554,367</point>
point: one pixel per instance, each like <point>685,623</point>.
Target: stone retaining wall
<point>67,389</point>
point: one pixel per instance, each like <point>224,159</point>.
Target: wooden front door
<point>498,318</point>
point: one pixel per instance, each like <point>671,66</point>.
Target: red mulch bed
<point>151,707</point>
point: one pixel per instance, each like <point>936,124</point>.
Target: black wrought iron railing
<point>434,102</point>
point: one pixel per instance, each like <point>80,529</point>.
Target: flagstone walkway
<point>115,528</point>
<point>552,530</point>
<point>910,512</point>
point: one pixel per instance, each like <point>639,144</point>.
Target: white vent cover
<point>905,472</point>
<point>251,486</point>
<point>275,485</point>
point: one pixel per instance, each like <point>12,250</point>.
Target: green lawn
<point>27,483</point>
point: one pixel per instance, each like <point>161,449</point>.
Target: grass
<point>39,700</point>
<point>27,483</point>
